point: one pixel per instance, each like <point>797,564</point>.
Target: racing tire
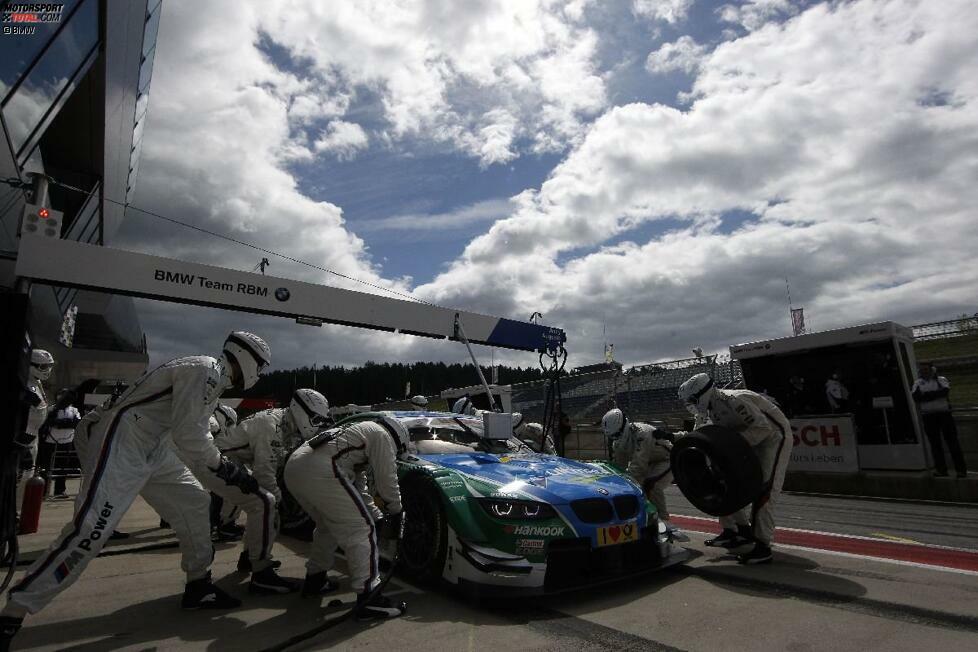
<point>424,547</point>
<point>717,471</point>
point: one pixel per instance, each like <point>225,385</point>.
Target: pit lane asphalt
<point>807,600</point>
<point>939,524</point>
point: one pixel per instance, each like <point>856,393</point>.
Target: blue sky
<point>637,167</point>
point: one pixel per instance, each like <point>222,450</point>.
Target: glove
<point>389,527</point>
<point>235,476</point>
<point>659,433</point>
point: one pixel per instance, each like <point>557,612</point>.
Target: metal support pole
<point>461,335</point>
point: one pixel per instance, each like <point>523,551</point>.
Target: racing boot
<point>203,594</point>
<point>726,539</point>
<point>9,626</point>
<point>318,584</point>
<point>761,554</point>
<point>226,532</point>
<point>244,562</point>
<point>267,581</point>
<point>377,608</point>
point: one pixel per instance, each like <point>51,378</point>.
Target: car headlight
<point>517,510</point>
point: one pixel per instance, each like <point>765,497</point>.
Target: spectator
<point>796,401</point>
<point>930,391</point>
<point>564,429</point>
<point>836,393</point>
<point>58,430</point>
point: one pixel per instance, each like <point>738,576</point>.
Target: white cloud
<point>343,139</point>
<point>483,211</point>
<point>481,77</point>
<point>671,11</point>
<point>683,54</point>
<point>754,14</point>
<point>849,131</point>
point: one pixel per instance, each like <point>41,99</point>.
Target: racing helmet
<point>532,430</point>
<point>226,416</point>
<point>399,433</point>
<point>250,352</point>
<point>697,393</point>
<point>310,412</point>
<point>464,406</point>
<point>613,422</point>
<point>42,363</point>
<point>419,401</point>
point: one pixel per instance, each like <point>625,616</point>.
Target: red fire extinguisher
<point>30,508</point>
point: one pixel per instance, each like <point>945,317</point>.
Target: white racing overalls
<point>327,475</point>
<point>768,432</point>
<point>646,460</point>
<point>141,444</point>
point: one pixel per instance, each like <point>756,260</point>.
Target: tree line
<point>375,382</point>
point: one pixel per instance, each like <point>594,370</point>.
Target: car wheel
<point>425,543</point>
<point>717,470</point>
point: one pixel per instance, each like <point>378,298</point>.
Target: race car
<point>493,517</point>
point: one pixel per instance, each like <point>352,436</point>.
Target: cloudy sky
<point>646,172</point>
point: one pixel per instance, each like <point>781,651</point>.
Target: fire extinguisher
<point>30,508</point>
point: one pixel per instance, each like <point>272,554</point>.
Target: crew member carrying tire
<point>768,432</point>
<point>327,475</point>
<point>642,450</point>
<point>263,441</point>
<point>142,444</point>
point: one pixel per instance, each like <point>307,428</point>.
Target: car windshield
<point>446,435</point>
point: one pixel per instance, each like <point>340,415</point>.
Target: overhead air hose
<point>552,361</point>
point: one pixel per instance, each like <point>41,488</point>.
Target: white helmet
<point>613,422</point>
<point>419,401</point>
<point>226,416</point>
<point>399,433</point>
<point>531,431</point>
<point>518,425</point>
<point>250,352</point>
<point>697,393</point>
<point>464,406</point>
<point>42,363</point>
<point>310,412</point>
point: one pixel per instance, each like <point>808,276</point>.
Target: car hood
<point>548,478</point>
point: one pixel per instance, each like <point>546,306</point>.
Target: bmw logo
<point>282,294</point>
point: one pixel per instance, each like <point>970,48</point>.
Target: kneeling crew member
<point>531,434</point>
<point>768,432</point>
<point>324,475</point>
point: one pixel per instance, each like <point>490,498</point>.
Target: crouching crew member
<point>263,441</point>
<point>768,432</point>
<point>531,434</point>
<point>324,475</point>
<point>643,450</point>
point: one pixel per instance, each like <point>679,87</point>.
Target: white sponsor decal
<point>539,530</point>
<point>529,543</point>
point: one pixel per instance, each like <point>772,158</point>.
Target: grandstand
<point>646,392</point>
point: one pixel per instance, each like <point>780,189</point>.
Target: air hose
<point>553,367</point>
<point>343,617</point>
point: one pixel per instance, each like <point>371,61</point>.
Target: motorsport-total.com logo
<point>22,18</point>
